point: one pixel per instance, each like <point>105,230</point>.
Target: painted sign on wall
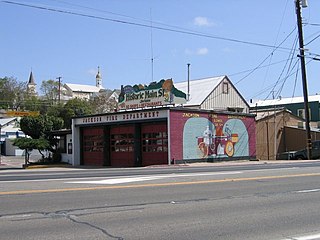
<point>156,94</point>
<point>197,135</point>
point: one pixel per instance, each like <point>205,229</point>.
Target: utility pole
<point>59,88</point>
<point>304,75</point>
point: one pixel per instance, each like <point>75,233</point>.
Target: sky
<point>253,42</point>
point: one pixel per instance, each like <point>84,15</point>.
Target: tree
<point>12,93</point>
<point>50,90</point>
<point>73,108</point>
<point>28,144</point>
<point>104,104</point>
<point>39,129</point>
<point>34,103</point>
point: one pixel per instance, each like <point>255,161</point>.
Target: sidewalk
<point>16,162</point>
<point>11,162</point>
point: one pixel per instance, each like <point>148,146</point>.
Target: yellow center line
<point>156,184</point>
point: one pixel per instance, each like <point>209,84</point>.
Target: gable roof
<point>199,89</point>
<point>270,113</point>
<point>82,88</point>
<point>6,121</point>
<point>284,101</point>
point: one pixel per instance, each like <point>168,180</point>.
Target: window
<point>225,88</point>
<point>155,142</point>
<point>62,143</point>
<point>93,143</point>
<point>301,114</point>
<point>123,142</point>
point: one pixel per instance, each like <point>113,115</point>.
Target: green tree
<point>39,129</point>
<point>73,108</point>
<point>104,104</point>
<point>29,144</point>
<point>50,90</point>
<point>12,93</point>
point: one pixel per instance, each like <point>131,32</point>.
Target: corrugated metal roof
<point>82,88</point>
<point>283,101</point>
<point>5,121</point>
<point>199,89</point>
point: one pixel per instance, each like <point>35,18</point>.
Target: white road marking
<point>309,237</point>
<point>120,177</point>
<point>308,190</point>
<point>149,178</point>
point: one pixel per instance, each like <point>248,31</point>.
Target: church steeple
<point>99,79</point>
<point>31,86</point>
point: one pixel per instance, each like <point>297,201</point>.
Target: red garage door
<point>154,144</point>
<point>92,146</point>
<point>122,146</point>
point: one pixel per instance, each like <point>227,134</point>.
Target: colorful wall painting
<point>213,135</point>
<point>156,94</point>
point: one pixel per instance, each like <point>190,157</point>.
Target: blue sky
<point>217,37</point>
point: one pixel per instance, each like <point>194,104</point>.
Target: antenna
<point>151,45</point>
<point>188,95</point>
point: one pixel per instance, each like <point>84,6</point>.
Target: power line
<point>145,25</point>
<point>275,48</point>
<point>313,24</point>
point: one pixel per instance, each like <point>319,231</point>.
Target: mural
<point>156,94</point>
<point>212,135</point>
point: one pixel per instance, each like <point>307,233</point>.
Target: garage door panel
<point>154,139</point>
<point>122,146</point>
<point>93,146</point>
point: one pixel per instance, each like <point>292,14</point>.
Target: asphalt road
<point>271,201</point>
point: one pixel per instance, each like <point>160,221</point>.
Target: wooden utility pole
<point>304,77</point>
<point>59,89</point>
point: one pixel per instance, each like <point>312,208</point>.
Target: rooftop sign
<point>156,94</point>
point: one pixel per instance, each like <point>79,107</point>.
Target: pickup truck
<point>302,154</point>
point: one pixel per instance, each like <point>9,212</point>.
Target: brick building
<point>164,129</point>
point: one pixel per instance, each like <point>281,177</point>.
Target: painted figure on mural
<point>218,143</point>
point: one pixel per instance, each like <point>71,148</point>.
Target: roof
<point>264,114</point>
<point>199,89</point>
<point>31,79</point>
<point>284,101</point>
<point>6,121</point>
<point>82,88</point>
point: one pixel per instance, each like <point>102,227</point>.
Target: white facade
<point>215,93</point>
<point>81,91</point>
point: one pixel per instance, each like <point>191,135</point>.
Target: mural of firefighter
<point>212,136</point>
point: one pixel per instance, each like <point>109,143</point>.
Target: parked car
<point>302,154</point>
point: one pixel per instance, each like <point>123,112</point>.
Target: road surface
<point>272,201</point>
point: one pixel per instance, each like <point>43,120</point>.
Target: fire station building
<point>159,124</point>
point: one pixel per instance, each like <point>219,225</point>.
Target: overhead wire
<point>193,33</point>
<point>291,56</point>
<point>165,29</point>
<point>275,42</point>
<point>254,69</point>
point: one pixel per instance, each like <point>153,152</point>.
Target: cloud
<point>202,51</point>
<point>226,50</point>
<point>92,71</point>
<point>203,22</point>
<point>199,51</point>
